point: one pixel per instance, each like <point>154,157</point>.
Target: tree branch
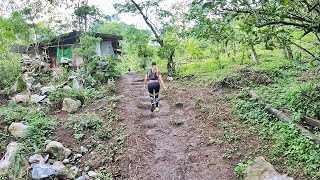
<point>158,38</point>
<point>283,23</point>
<point>304,49</point>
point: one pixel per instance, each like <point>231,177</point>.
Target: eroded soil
<point>175,142</point>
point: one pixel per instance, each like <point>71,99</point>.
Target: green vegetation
<point>284,143</point>
<point>240,169</point>
<point>271,47</point>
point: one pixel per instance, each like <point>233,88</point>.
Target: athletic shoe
<point>157,109</point>
<point>152,108</point>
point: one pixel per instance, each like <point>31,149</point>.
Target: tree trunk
<point>170,65</point>
<point>254,55</point>
<point>85,24</point>
<point>288,51</point>
<point>280,115</point>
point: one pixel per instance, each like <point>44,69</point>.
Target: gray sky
<point>106,6</point>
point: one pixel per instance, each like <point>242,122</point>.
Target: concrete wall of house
<point>106,48</point>
<point>77,60</point>
<point>98,49</point>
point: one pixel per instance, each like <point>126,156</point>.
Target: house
<point>61,50</point>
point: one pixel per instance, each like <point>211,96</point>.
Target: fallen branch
<point>311,121</point>
<point>282,116</point>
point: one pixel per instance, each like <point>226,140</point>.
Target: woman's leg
<point>157,89</point>
<point>151,89</point>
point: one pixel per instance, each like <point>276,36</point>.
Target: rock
<point>70,105</point>
<point>78,155</point>
<point>72,77</point>
<point>20,85</point>
<point>47,89</point>
<point>169,78</point>
<point>21,98</point>
<point>46,158</point>
<point>28,79</point>
<point>37,86</point>
<point>67,152</point>
<point>36,98</point>
<point>92,174</point>
<point>87,168</point>
<point>75,170</point>
<point>37,158</point>
<point>66,87</point>
<point>66,161</point>
<point>56,149</point>
<point>75,84</point>
<point>18,130</point>
<point>40,171</point>
<point>51,161</point>
<point>85,177</point>
<point>263,170</point>
<point>83,150</point>
<point>8,158</point>
<point>29,86</point>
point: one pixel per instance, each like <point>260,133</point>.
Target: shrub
<point>9,72</point>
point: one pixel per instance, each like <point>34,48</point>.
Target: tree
<point>84,13</point>
<point>146,9</point>
<point>7,38</point>
<point>302,15</point>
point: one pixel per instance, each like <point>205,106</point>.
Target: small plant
<point>103,174</point>
<point>241,168</point>
<point>85,121</point>
<point>15,113</point>
<point>38,132</point>
<point>178,104</point>
<point>79,136</point>
<point>177,122</point>
<point>104,132</point>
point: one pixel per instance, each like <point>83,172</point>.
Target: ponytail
<point>154,69</point>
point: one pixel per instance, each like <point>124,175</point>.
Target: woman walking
<point>152,78</point>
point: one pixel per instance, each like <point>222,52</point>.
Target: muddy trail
<point>170,144</point>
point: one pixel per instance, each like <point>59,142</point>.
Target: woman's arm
<point>161,80</point>
<point>145,81</point>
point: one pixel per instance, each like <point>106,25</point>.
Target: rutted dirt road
<point>158,148</point>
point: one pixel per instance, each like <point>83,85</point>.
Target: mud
<point>159,149</point>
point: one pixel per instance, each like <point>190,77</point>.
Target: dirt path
<point>160,149</point>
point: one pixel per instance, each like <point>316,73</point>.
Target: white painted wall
<point>106,48</point>
<point>98,49</point>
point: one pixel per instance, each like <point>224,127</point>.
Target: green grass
<point>286,146</point>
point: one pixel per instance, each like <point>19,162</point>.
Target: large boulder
<point>263,170</point>
<point>70,105</point>
<point>8,158</point>
<point>57,150</point>
<point>18,130</point>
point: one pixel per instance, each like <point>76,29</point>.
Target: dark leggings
<point>154,87</point>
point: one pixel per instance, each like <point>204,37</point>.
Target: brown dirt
<point>159,149</point>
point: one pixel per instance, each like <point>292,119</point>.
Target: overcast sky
<point>106,6</point>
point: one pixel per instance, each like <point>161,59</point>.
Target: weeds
<point>177,122</point>
<point>84,122</point>
<point>231,139</point>
<point>284,143</point>
<point>241,168</point>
